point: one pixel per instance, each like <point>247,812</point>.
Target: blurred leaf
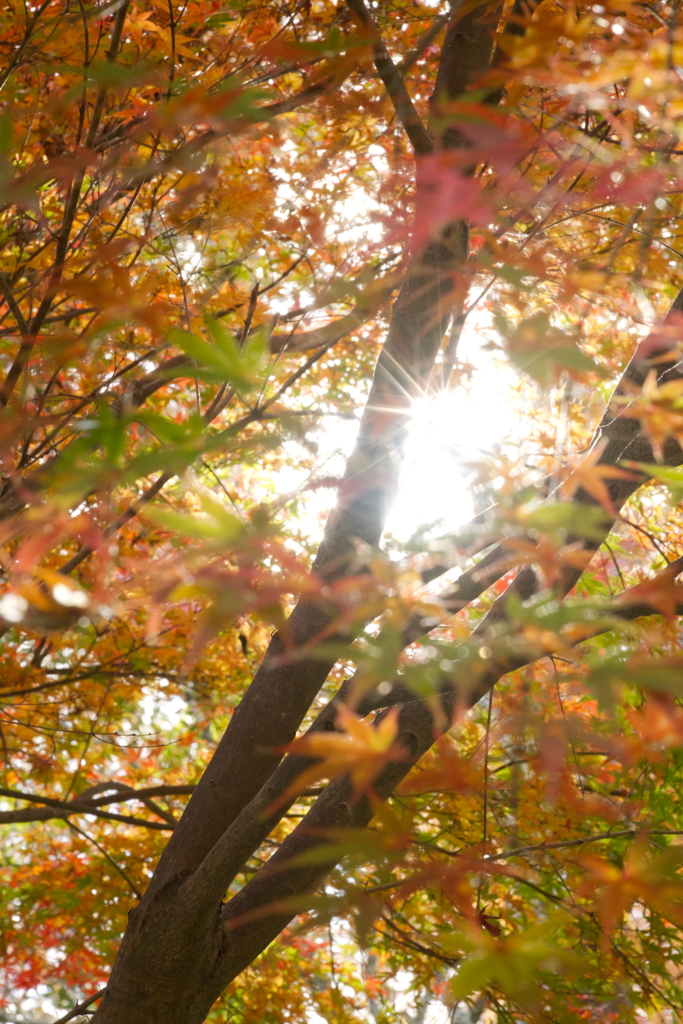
<point>567,519</point>
<point>224,360</point>
<point>670,476</point>
<point>360,751</point>
<point>544,351</point>
<point>512,963</point>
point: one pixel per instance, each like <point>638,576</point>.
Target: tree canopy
<point>262,763</point>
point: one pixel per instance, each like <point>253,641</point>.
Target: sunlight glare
<point>451,429</point>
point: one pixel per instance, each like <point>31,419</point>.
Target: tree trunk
<point>176,956</point>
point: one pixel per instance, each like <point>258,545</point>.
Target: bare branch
<point>420,138</point>
<point>80,1007</point>
<point>83,805</point>
<point>625,833</point>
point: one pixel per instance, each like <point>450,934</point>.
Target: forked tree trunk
<point>177,956</point>
<point>183,945</point>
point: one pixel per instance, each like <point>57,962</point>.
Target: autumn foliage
<point>236,235</point>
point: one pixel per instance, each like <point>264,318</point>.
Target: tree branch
<point>392,78</point>
<point>78,1009</point>
<point>12,303</point>
<point>120,521</point>
<point>168,474</point>
<point>254,822</point>
<point>256,915</point>
<point>624,439</point>
<point>466,686</point>
<point>281,692</point>
<point>625,833</point>
<point>70,807</point>
<point>332,332</point>
<point>427,39</point>
<point>30,335</point>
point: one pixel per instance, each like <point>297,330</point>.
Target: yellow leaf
<point>360,751</point>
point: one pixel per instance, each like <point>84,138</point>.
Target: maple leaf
<point>44,601</point>
<point>360,751</point>
<point>450,772</point>
<point>590,475</point>
<point>659,407</point>
<point>543,351</point>
<point>658,721</point>
<point>661,593</point>
<point>453,880</point>
<point>154,238</point>
<point>510,962</point>
<point>445,194</point>
<point>546,555</point>
<point>651,880</point>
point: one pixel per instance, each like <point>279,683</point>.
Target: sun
<point>450,429</point>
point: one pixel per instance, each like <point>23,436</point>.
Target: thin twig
<point>30,335</point>
<point>74,807</point>
<point>104,853</point>
<point>171,73</point>
<point>80,1007</point>
<point>124,518</point>
<point>253,300</point>
<point>616,564</point>
<point>541,847</point>
<point>486,787</point>
<point>646,533</point>
<point>564,715</point>
<point>12,303</point>
<point>168,474</point>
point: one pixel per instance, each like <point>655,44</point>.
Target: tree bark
<point>255,916</point>
<point>181,947</point>
<point>248,928</point>
<point>285,686</point>
<point>170,965</point>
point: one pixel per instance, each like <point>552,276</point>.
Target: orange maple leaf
<point>648,879</point>
<point>545,554</point>
<point>659,409</point>
<point>659,721</point>
<point>591,476</point>
<point>449,773</point>
<point>661,593</point>
<point>360,751</point>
